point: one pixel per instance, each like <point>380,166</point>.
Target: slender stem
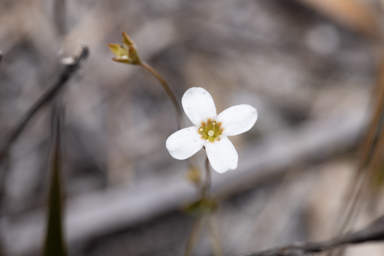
<point>196,230</point>
<point>207,183</point>
<point>214,236</point>
<point>167,89</point>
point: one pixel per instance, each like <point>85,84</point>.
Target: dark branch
<point>372,233</point>
<point>43,100</point>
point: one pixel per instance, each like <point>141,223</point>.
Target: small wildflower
<point>125,52</point>
<point>210,130</point>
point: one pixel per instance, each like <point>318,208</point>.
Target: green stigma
<point>210,131</point>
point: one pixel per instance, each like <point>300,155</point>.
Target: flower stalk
<point>207,183</point>
<point>127,53</point>
<point>167,89</point>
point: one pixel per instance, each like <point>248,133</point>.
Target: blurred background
<point>309,67</point>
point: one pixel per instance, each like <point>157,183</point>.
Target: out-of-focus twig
<point>214,236</point>
<point>43,100</point>
<point>371,153</point>
<point>372,233</point>
<point>1,57</point>
<point>194,236</point>
<point>59,11</point>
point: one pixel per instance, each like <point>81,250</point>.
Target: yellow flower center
<point>210,130</point>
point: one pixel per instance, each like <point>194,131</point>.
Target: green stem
<point>207,184</point>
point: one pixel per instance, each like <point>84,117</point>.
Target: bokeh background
<point>308,66</point>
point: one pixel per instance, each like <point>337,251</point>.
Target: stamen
<point>210,130</point>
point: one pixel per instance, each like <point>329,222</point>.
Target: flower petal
<point>222,155</point>
<point>198,105</point>
<point>184,143</point>
<point>237,119</point>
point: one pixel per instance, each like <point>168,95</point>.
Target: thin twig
<point>167,89</point>
<point>1,57</point>
<point>43,100</point>
<point>372,233</point>
<point>370,151</point>
<point>214,236</point>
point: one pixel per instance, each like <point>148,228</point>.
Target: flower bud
<point>125,52</point>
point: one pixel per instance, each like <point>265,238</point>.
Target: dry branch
<point>43,100</point>
<point>372,233</point>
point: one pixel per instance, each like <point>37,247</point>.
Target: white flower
<point>210,130</point>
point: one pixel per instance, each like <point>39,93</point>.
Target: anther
<point>210,133</point>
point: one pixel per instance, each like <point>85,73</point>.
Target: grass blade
<point>54,239</point>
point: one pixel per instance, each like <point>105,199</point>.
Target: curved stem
<point>167,89</point>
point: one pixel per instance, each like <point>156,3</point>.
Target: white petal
<point>237,119</point>
<point>222,155</point>
<point>184,143</point>
<point>198,105</point>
